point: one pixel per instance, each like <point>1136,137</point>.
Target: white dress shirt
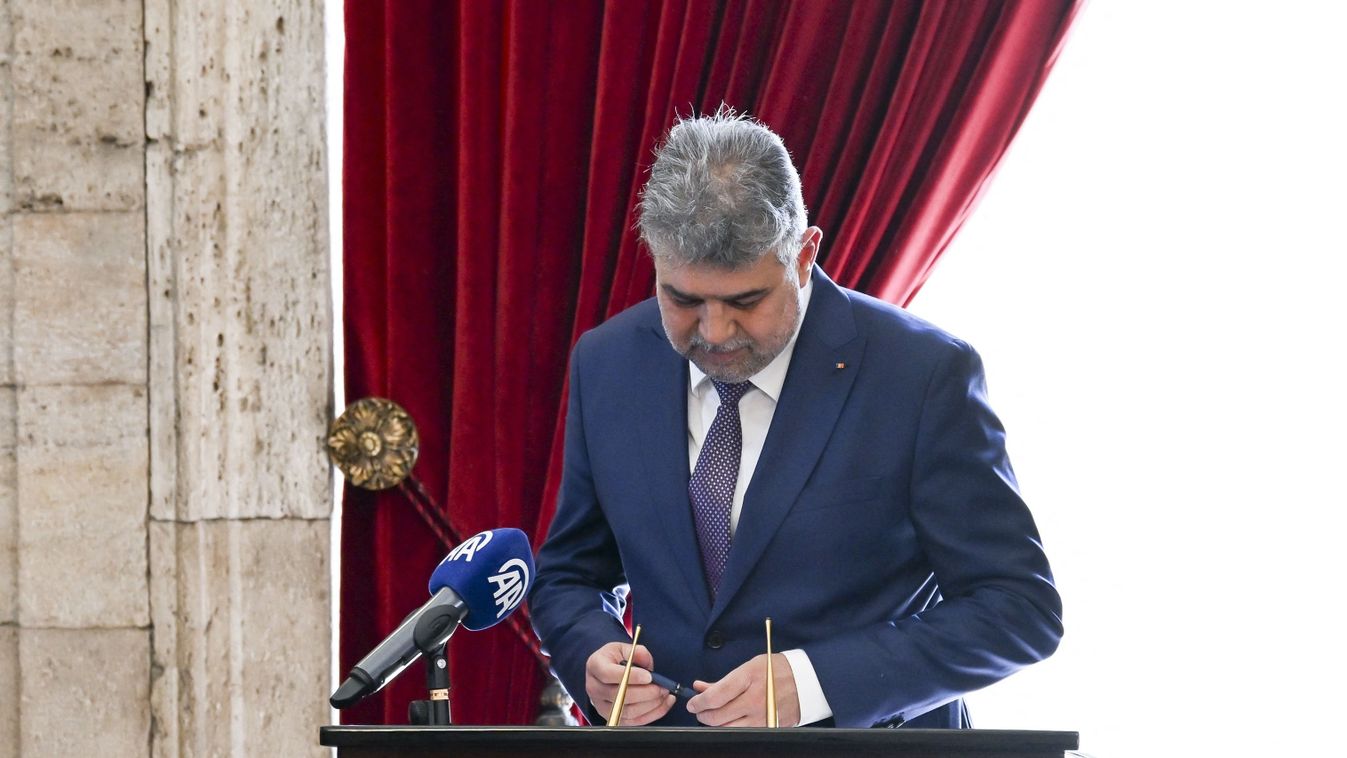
<point>755,413</point>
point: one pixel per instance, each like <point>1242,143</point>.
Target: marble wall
<point>165,364</point>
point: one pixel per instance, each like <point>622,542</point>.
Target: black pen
<point>677,689</point>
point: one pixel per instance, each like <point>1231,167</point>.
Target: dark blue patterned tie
<point>711,488</point>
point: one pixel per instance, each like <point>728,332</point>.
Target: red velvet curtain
<point>493,155</point>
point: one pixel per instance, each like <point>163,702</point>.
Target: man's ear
<point>809,248</point>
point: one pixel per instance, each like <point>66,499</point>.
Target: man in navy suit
<point>754,442</point>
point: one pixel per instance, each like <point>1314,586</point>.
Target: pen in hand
<point>678,690</point>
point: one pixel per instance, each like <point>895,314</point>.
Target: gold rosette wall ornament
<point>374,443</point>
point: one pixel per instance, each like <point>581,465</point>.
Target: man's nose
<point>717,326</point>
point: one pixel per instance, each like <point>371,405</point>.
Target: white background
<point>1154,280</point>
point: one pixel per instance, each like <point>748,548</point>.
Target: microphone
<point>477,585</point>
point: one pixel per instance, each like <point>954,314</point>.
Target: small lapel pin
<point>841,365</point>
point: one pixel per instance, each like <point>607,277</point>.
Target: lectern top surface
<point>524,740</point>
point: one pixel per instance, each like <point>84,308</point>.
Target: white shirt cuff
<point>813,704</point>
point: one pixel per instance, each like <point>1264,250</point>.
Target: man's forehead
<point>675,262</point>
<point>704,279</point>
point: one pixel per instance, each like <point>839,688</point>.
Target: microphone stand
<point>437,681</point>
<point>431,634</point>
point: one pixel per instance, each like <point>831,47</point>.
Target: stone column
<point>165,367</point>
<point>74,221</point>
<point>239,376</point>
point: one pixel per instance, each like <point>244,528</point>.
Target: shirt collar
<point>773,376</point>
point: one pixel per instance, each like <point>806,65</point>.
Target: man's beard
<point>754,359</point>
<point>756,356</point>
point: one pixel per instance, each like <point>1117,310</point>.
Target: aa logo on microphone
<point>469,547</point>
<point>510,583</point>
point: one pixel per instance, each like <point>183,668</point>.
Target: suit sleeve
<point>999,609</point>
<point>578,597</point>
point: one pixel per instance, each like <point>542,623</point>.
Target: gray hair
<point>722,191</point>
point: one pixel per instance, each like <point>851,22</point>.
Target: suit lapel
<point>660,412</point>
<point>811,401</point>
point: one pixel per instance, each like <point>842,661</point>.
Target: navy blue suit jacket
<point>882,530</point>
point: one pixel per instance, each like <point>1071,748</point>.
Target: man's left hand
<point>740,699</point>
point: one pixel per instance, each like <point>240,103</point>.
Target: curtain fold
<point>494,151</point>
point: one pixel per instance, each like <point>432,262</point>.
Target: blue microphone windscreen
<point>491,571</point>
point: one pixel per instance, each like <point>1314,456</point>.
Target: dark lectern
<point>427,741</point>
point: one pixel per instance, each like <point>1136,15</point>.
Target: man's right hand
<point>645,701</point>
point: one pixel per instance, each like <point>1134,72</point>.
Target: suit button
<point>715,640</point>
